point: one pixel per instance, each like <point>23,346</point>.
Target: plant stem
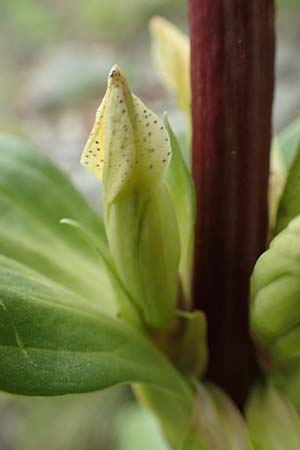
<point>232,72</point>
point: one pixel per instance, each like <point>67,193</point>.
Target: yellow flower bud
<point>129,149</point>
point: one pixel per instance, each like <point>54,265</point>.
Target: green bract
<point>181,188</point>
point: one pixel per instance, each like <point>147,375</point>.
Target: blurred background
<point>55,56</point>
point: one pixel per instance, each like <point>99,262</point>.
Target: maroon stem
<point>232,72</point>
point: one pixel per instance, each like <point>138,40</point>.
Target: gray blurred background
<point>55,56</point>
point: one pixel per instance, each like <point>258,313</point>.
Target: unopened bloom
<point>129,150</point>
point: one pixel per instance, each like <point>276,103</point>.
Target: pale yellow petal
<point>171,54</point>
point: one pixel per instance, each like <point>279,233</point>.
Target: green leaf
<point>271,420</point>
<point>54,342</point>
<point>283,152</point>
<point>289,206</point>
<point>159,253</point>
<point>284,146</point>
<point>181,188</point>
<point>34,196</point>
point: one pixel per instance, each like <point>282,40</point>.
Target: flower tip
<point>156,22</point>
<point>115,74</point>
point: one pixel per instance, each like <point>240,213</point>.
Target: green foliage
<point>289,206</point>
<point>53,342</point>
<point>181,188</point>
<point>60,295</point>
<point>34,196</point>
<point>55,332</point>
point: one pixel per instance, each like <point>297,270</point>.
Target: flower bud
<point>171,55</point>
<point>129,149</point>
<point>275,293</point>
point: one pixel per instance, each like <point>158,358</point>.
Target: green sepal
<point>144,241</point>
<point>193,345</point>
<point>126,309</point>
<point>182,191</point>
<point>158,255</point>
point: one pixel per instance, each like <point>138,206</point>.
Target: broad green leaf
<point>34,196</point>
<point>181,188</point>
<point>54,342</point>
<point>289,206</point>
<point>272,421</point>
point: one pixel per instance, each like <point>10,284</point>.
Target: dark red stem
<point>232,72</point>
